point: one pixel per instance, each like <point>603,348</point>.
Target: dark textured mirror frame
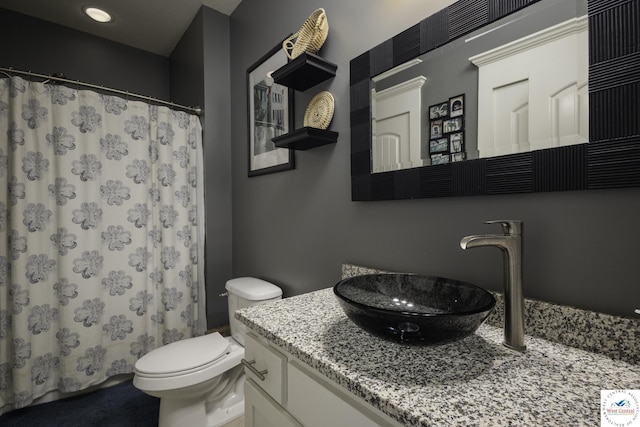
<point>610,160</point>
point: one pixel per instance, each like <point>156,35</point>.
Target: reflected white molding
<point>396,129</point>
<point>406,86</point>
<point>532,92</point>
<point>548,35</point>
<point>396,69</point>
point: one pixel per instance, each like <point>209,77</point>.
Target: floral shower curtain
<point>101,236</point>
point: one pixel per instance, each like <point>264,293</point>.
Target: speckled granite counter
<point>473,382</point>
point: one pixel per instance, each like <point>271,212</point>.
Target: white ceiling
<point>152,25</point>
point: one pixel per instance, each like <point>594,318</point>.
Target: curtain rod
<point>9,71</point>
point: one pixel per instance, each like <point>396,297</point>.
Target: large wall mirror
<point>494,97</point>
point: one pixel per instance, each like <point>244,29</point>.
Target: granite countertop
<point>472,382</point>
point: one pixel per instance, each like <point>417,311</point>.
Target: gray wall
<point>200,75</point>
<point>35,45</point>
<point>217,162</point>
<point>296,228</point>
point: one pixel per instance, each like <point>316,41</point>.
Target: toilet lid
<point>184,355</point>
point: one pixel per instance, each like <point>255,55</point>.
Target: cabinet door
<point>317,403</point>
<point>262,411</point>
<point>266,358</point>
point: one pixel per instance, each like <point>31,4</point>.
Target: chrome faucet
<point>510,243</point>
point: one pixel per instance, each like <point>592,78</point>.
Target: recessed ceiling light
<point>98,14</point>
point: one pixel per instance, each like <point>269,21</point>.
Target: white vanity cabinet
<point>292,394</point>
<point>260,410</point>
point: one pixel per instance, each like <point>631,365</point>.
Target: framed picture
<point>452,125</point>
<point>456,106</point>
<point>436,129</point>
<point>458,157</point>
<point>439,145</point>
<point>439,159</point>
<point>456,142</point>
<point>439,110</point>
<point>270,114</point>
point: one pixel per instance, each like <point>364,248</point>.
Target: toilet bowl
<point>200,380</point>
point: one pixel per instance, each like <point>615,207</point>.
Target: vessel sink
<point>414,309</point>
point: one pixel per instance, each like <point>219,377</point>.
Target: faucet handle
<point>510,227</point>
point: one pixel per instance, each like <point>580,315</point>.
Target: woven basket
<point>310,37</point>
<point>319,111</point>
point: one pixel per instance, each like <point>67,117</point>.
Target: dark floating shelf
<point>305,71</point>
<point>306,138</point>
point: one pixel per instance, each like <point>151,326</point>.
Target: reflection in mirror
<point>520,84</point>
<point>537,87</point>
<point>611,158</point>
<point>395,124</point>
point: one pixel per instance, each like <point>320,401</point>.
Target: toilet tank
<point>245,292</point>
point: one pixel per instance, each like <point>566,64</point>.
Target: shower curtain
<point>101,236</point>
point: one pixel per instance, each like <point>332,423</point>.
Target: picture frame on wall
<point>456,106</point>
<point>456,142</point>
<point>458,157</point>
<point>439,110</point>
<point>436,129</point>
<point>439,145</point>
<point>446,142</point>
<point>270,114</point>
<point>440,159</point>
<point>452,125</point>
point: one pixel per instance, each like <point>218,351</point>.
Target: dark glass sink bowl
<point>414,309</point>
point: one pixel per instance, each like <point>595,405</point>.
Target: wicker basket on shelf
<point>319,112</point>
<point>310,37</point>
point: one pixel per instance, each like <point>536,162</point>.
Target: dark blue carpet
<point>122,405</point>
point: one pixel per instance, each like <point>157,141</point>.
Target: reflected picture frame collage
<point>446,131</point>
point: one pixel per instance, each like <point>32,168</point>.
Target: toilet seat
<point>187,362</point>
<point>182,357</point>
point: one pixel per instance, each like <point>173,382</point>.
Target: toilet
<point>200,380</point>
